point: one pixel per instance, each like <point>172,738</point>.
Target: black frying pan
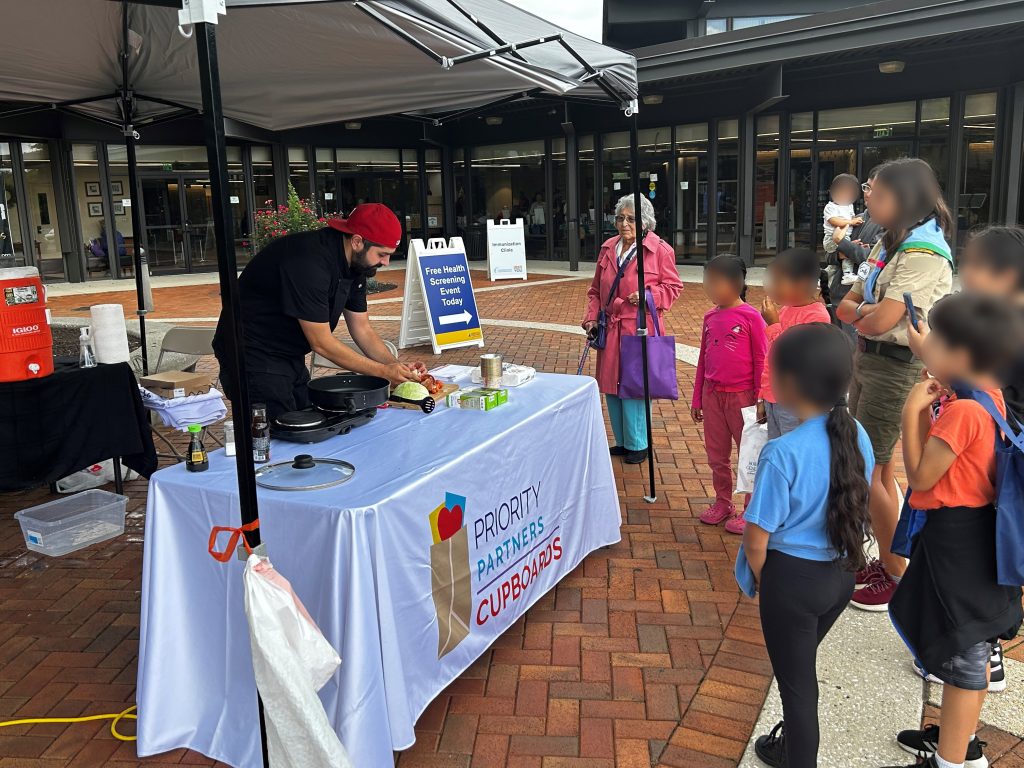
<point>348,392</point>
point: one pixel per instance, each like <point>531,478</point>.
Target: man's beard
<point>361,265</point>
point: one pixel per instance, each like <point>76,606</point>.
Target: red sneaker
<point>736,524</point>
<point>717,513</point>
<point>869,572</point>
<point>876,595</point>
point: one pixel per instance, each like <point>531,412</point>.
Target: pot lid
<point>304,473</point>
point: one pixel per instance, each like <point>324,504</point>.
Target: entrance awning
<point>287,64</point>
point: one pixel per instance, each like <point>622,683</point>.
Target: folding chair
<point>318,361</point>
<point>186,340</point>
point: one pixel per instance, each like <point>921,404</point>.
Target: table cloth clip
<point>236,534</point>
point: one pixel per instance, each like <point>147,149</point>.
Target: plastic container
<point>69,524</point>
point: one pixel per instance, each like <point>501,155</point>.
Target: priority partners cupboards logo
<point>512,546</point>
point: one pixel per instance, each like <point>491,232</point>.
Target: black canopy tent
<point>487,52</point>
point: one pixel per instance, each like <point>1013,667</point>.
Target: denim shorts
<point>780,421</point>
<point>967,670</point>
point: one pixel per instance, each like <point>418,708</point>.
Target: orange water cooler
<point>26,344</point>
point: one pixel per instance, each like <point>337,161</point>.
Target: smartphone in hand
<point>908,299</point>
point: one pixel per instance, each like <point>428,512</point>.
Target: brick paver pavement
<point>643,656</point>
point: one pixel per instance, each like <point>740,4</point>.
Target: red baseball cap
<point>371,221</point>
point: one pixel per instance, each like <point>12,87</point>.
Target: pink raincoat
<point>660,276</point>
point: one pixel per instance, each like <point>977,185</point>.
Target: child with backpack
<point>949,606</point>
<point>732,349</point>
<point>807,525</point>
<point>792,287</point>
<point>992,264</point>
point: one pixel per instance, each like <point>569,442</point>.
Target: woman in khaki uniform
<point>913,258</point>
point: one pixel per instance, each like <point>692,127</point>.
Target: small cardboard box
<point>172,384</point>
<point>474,400</point>
<point>500,394</point>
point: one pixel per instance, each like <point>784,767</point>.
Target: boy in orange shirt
<point>948,607</point>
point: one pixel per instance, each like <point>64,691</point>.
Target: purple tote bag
<point>661,362</point>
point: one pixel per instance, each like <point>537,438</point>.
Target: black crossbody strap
<point>618,277</point>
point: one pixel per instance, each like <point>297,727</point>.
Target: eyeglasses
<point>866,186</point>
<point>625,219</point>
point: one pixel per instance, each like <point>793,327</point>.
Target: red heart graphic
<point>448,522</point>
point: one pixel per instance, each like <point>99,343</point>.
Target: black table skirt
<point>70,420</point>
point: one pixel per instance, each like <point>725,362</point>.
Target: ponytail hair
<point>818,359</point>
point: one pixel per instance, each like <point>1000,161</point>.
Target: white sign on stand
<point>439,305</point>
<point>506,250</point>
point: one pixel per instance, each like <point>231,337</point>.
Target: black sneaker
<point>771,749</point>
<point>923,744</point>
<point>997,673</point>
<point>636,457</point>
<point>929,763</point>
<point>617,450</point>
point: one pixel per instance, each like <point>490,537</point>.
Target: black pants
<point>280,384</point>
<point>800,601</point>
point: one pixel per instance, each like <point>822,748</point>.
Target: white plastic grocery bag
<point>292,661</point>
<point>751,442</point>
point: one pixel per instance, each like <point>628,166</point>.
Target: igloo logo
<point>24,330</point>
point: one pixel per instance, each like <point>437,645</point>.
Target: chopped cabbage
<point>411,390</point>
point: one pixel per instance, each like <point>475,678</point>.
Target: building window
<point>719,25</point>
<point>298,171</point>
<point>978,151</point>
<point>933,146</point>
<point>39,191</point>
<point>12,245</point>
<point>408,206</point>
<point>588,198</point>
<point>435,193</point>
<point>88,198</point>
<point>655,151</point>
<point>766,183</point>
<point>690,230</point>
<point>508,183</point>
<point>801,180</point>
<point>263,177</point>
<point>727,192</point>
<point>558,208</point>
<point>879,121</point>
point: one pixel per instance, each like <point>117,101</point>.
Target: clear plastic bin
<point>65,525</point>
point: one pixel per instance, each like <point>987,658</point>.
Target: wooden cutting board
<point>438,398</point>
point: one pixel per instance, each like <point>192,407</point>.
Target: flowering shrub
<point>296,216</point>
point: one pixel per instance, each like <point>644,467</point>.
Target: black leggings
<point>800,601</point>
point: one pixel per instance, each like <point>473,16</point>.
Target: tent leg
<point>634,162</point>
<point>138,239</point>
<point>231,314</point>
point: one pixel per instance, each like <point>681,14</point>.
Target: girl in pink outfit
<point>732,350</point>
<point>629,422</point>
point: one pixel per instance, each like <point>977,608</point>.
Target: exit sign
<point>883,132</point>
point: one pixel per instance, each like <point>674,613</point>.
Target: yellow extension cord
<point>126,715</point>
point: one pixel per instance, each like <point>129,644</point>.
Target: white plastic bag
<point>93,477</point>
<point>751,442</point>
<point>292,661</point>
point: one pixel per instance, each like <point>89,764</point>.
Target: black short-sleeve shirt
<point>304,276</point>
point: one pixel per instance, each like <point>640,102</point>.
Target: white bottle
<point>86,356</point>
<point>229,438</point>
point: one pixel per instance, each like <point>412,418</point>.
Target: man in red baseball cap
<point>293,293</point>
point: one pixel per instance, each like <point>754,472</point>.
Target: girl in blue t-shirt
<point>807,525</point>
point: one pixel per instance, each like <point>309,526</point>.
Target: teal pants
<point>628,422</point>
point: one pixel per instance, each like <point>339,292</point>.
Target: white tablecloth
<point>535,481</point>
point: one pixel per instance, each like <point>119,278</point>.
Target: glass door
<point>201,247</point>
<point>7,222</point>
<point>178,218</point>
<point>875,154</point>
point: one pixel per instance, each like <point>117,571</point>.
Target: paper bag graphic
<point>452,589</point>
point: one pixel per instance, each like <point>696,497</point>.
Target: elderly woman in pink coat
<point>629,422</point>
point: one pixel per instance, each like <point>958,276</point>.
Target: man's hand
<point>398,373</point>
<point>697,414</point>
<point>418,369</point>
<point>762,412</point>
<point>769,311</point>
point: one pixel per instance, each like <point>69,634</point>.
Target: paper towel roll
<point>109,333</point>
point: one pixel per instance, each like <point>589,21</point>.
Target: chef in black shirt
<point>292,295</point>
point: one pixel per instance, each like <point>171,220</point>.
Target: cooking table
<point>409,593</point>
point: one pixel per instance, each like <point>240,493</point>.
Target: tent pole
<point>216,152</point>
<point>641,327</point>
<point>128,113</point>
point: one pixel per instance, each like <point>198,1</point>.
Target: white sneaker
<point>997,673</point>
<point>849,278</point>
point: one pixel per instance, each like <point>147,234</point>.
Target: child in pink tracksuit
<point>732,350</point>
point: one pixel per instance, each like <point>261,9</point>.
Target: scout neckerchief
<point>923,237</point>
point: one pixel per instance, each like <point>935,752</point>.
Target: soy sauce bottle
<point>196,459</point>
<point>260,434</point>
